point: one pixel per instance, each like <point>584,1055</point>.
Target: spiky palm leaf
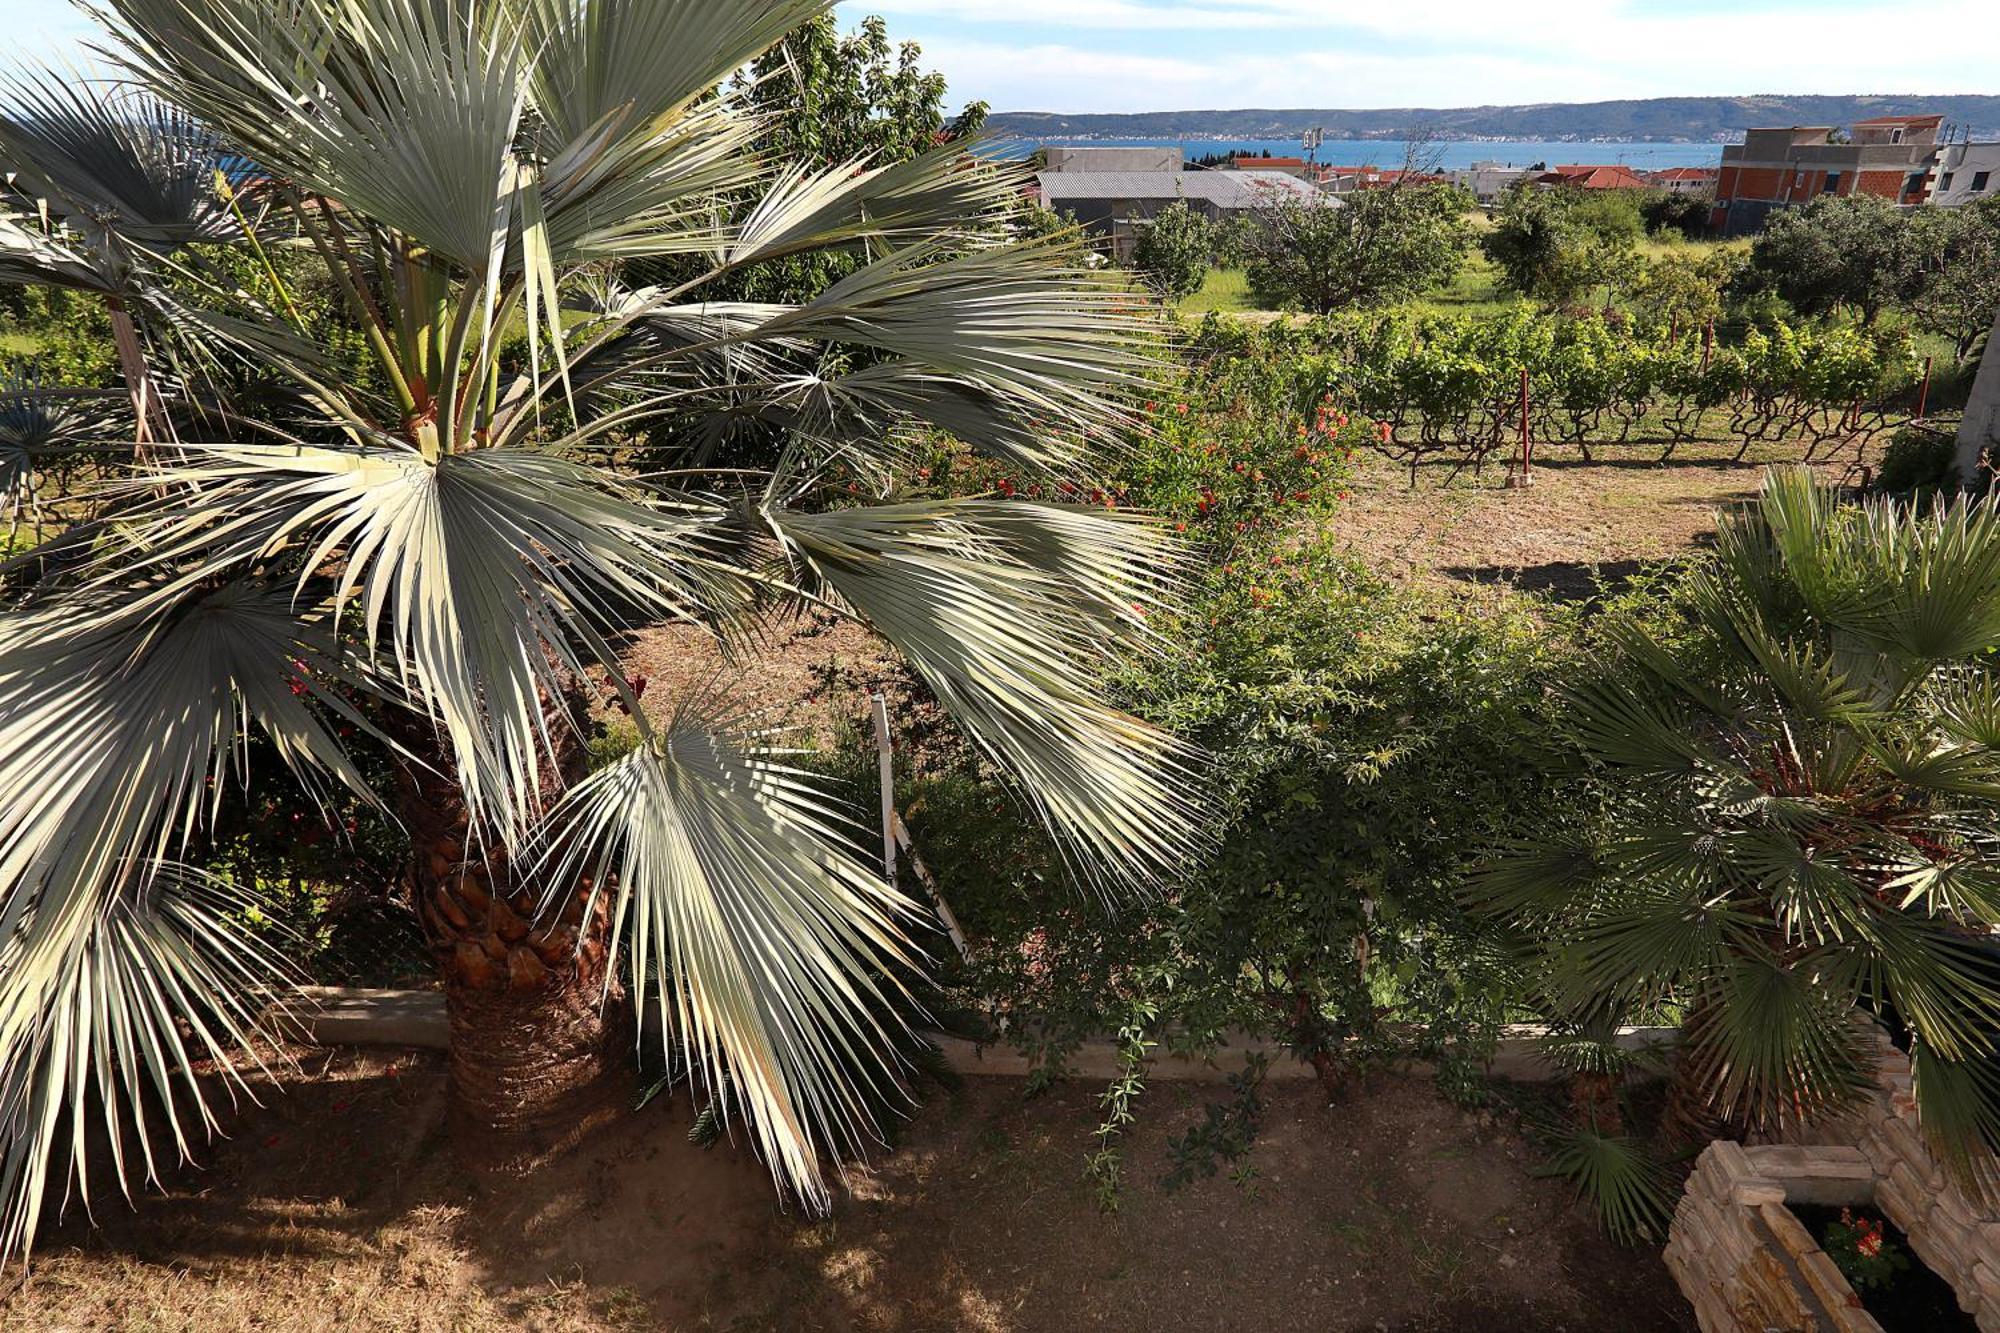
<point>1618,1176</point>
<point>1802,813</point>
<point>480,536</point>
<point>42,431</point>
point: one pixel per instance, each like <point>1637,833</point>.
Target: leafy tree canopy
<point>1367,248</point>
<point>1801,757</point>
<point>1557,246</point>
<point>1172,251</point>
<point>1839,252</point>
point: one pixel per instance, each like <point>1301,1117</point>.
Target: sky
<point>1160,55</point>
<point>1157,55</point>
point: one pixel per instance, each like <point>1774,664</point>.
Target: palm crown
<point>1799,813</point>
<point>435,553</point>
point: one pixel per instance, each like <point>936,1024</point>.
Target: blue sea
<point>1452,154</point>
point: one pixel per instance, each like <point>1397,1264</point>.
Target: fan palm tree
<point>108,187</point>
<point>45,431</point>
<point>1801,776</point>
<point>445,567</point>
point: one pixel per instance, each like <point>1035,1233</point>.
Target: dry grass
<point>1578,528</point>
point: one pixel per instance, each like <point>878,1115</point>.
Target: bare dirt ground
<point>1581,526</point>
<point>336,1207</point>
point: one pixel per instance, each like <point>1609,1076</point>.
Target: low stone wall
<point>1740,1256</point>
<point>1748,1265</point>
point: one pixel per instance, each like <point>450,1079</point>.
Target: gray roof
<point>1224,189</point>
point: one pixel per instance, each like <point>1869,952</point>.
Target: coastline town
<point>1913,161</point>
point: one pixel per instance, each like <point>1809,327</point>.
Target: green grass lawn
<point>1224,290</point>
<point>1475,291</point>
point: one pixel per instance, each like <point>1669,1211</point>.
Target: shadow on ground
<point>339,1207</point>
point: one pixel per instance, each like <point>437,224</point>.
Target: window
<point>1832,185</point>
<point>1944,181</point>
<point>1895,136</point>
<point>1979,180</point>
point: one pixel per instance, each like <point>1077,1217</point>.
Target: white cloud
<point>1060,55</point>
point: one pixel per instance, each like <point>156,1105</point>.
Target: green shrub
<point>1918,459</point>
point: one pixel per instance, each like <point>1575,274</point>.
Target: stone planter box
<point>1747,1264</point>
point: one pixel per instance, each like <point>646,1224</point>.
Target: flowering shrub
<point>1861,1251</point>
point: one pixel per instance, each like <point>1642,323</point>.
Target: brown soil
<point>1579,527</point>
<point>334,1207</point>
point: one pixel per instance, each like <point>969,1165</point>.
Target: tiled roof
<point>1595,178</point>
<point>1224,189</point>
<point>1901,120</point>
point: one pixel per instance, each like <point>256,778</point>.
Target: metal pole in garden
<point>1525,475</point>
<point>885,764</point>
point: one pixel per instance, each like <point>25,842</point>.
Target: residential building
<point>1111,203</point>
<point>1487,181</point>
<point>1346,180</point>
<point>1684,180</point>
<point>1888,156</point>
<point>1291,166</point>
<point>1084,157</point>
<point>1966,173</point>
<point>1592,178</point>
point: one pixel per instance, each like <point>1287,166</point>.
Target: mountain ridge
<point>1657,119</point>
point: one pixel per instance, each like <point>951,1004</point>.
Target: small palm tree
<point>444,565</point>
<point>1800,817</point>
<point>109,190</point>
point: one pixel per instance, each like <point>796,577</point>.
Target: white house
<point>1966,173</point>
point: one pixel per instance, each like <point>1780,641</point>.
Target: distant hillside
<point>1698,119</point>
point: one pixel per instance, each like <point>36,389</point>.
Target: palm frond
<point>747,910</point>
<point>1778,1044</point>
<point>111,163</point>
<point>495,577</point>
<point>1618,1176</point>
<point>633,65</point>
<point>1012,614</point>
<point>106,1005</point>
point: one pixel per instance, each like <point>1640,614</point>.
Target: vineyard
<point>1457,390</point>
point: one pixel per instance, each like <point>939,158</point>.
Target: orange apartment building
<point>1888,156</point>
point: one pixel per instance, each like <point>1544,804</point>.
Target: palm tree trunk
<point>541,1035</point>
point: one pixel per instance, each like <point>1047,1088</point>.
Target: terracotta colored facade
<point>1890,157</point>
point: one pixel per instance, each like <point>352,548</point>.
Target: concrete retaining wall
<point>348,1016</point>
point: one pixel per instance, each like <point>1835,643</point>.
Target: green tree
<point>133,179</point>
<point>1839,252</point>
<point>1959,292</point>
<point>832,98</point>
<point>1682,290</point>
<point>829,98</point>
<point>1172,250</point>
<point>1801,755</point>
<point>433,568</point>
<point>1557,246</point>
<point>1677,213</point>
<point>1367,248</point>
